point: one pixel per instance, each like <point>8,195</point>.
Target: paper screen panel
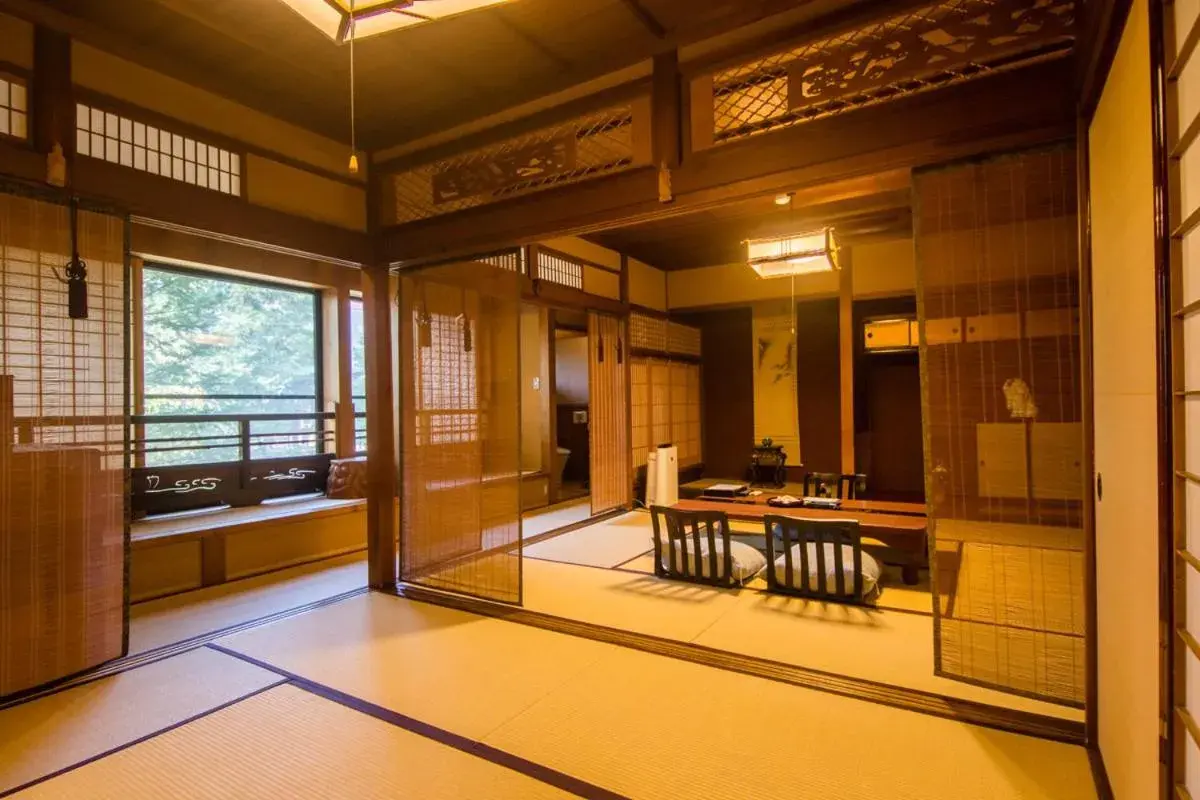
<point>608,367</point>
<point>1002,409</point>
<point>62,450</point>
<point>460,411</point>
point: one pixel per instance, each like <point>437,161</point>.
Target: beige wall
<point>17,37</point>
<point>1126,417</point>
<point>582,248</point>
<point>571,369</point>
<point>296,191</point>
<point>886,268</point>
<point>103,72</point>
<point>647,286</point>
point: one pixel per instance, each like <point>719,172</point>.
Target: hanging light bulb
<point>353,142</point>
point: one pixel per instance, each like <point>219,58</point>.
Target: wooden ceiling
<point>867,209</point>
<point>412,82</point>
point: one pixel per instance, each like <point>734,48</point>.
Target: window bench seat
<point>178,552</point>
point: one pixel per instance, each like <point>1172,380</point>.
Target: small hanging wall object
<point>620,351</point>
<point>600,350</point>
<point>76,271</point>
<point>665,194</point>
<point>56,167</point>
<point>466,323</point>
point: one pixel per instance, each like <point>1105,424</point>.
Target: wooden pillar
<point>667,110</point>
<point>51,101</point>
<point>345,386</point>
<point>846,350</point>
<point>381,426</point>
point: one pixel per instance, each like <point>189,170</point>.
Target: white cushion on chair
<point>746,561</point>
<point>870,569</point>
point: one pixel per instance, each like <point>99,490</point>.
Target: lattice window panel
<point>639,410</point>
<point>447,382</point>
<point>647,333</point>
<point>513,260</point>
<point>657,335</point>
<point>919,50</point>
<point>683,340</point>
<point>665,407</point>
<point>146,148</point>
<point>14,108</point>
<point>602,144</point>
<point>558,268</point>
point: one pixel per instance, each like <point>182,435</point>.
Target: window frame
<point>318,353</point>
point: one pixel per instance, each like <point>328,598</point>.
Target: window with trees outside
<point>217,346</point>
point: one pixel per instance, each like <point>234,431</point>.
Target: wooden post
<point>7,414</point>
<point>346,444</point>
<point>667,110</point>
<point>51,101</point>
<point>381,426</point>
<point>846,349</point>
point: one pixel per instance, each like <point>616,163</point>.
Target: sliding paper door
<point>608,381</point>
<point>62,445</point>
<point>998,298</point>
<point>460,430</point>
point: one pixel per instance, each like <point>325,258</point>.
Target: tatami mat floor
<point>392,698</point>
<point>172,619</point>
<point>886,646</point>
<point>603,544</point>
<point>544,520</point>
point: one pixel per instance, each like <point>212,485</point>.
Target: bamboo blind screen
<point>62,447</point>
<point>998,300</point>
<point>608,365</point>
<point>1182,21</point>
<point>461,447</point>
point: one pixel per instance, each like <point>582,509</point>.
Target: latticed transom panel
<point>657,335</point>
<point>915,51</point>
<point>511,260</point>
<point>588,146</point>
<point>559,268</point>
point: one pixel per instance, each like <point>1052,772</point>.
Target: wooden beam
<point>648,21</point>
<point>381,426</point>
<point>667,111</point>
<point>846,358</point>
<point>51,103</point>
<point>994,113</point>
<point>177,203</point>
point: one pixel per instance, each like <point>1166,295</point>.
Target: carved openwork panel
<point>600,143</point>
<point>916,51</point>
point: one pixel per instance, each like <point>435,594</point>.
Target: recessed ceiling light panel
<point>372,17</point>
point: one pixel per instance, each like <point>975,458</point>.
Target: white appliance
<point>662,476</point>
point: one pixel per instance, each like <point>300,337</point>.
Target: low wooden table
<point>901,529</point>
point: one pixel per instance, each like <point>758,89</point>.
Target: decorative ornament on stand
<point>1019,399</point>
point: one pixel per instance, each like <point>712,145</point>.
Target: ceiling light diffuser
<point>372,17</point>
<point>801,254</point>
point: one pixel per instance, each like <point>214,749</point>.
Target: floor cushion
<point>747,562</point>
<point>870,569</point>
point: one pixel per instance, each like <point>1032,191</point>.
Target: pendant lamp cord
<point>353,133</point>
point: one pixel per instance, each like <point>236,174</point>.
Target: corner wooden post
<point>846,350</point>
<point>381,426</point>
<point>51,100</point>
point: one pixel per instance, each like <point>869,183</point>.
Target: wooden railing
<point>220,460</point>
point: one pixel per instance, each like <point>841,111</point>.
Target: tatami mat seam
<point>144,738</point>
<point>862,689</point>
<point>137,660</point>
<point>479,749</point>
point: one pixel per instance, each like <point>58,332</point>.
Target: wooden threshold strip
<point>967,711</point>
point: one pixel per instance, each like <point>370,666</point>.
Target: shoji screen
<point>460,417</point>
<point>1183,123</point>
<point>998,299</point>
<point>608,375</point>
<point>62,446</point>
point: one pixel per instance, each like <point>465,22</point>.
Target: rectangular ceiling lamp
<point>785,256</point>
<point>372,17</point>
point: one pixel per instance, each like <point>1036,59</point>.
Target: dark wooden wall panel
<point>726,388</point>
<point>818,391</point>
